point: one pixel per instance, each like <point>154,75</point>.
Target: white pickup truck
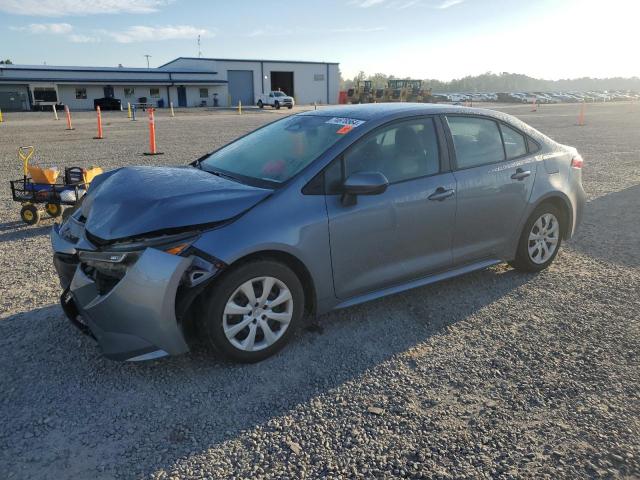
<point>275,99</point>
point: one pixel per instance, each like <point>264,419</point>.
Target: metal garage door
<point>240,86</point>
<point>13,98</point>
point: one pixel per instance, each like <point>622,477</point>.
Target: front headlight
<point>174,244</point>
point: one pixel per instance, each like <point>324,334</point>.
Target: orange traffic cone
<point>99,137</point>
<point>581,115</point>
<point>152,135</point>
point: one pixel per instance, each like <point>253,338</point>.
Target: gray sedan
<point>314,212</point>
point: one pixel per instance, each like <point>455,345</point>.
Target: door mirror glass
<point>363,183</point>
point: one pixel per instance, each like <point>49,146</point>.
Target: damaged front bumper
<point>135,313</point>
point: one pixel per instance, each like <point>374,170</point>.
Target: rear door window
<point>476,140</point>
<point>514,142</point>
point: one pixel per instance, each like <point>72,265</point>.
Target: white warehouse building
<point>185,82</point>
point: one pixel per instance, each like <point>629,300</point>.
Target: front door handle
<point>441,193</point>
<point>521,174</point>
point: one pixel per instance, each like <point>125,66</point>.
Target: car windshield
<point>278,151</point>
<point>279,94</point>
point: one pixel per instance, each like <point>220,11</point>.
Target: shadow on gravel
<point>10,231</point>
<point>610,229</point>
<point>70,413</point>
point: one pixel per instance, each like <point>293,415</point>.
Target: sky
<point>441,39</point>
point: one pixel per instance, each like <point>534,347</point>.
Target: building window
<point>81,93</point>
<point>318,77</point>
<point>204,93</point>
<point>154,92</point>
<point>45,94</point>
<point>129,92</point>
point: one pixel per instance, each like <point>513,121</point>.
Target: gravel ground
<point>495,374</point>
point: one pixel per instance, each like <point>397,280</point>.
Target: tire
<point>54,210</point>
<point>277,105</point>
<point>227,294</point>
<point>289,107</point>
<point>531,255</point>
<point>30,214</point>
<point>260,104</point>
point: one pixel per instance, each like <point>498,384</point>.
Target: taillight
<point>577,161</point>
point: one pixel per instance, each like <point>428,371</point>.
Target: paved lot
<point>495,374</point>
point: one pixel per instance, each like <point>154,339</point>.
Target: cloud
<point>141,33</point>
<point>79,38</point>
<point>449,3</point>
<point>278,32</point>
<point>48,28</point>
<point>136,33</point>
<point>402,4</point>
<point>366,3</point>
<point>61,8</point>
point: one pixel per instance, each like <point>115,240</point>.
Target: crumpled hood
<point>133,201</point>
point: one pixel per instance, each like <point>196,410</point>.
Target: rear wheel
<point>252,312</point>
<point>53,209</point>
<point>260,104</point>
<point>30,214</point>
<point>540,239</point>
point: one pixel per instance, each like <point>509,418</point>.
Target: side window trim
<point>441,150</point>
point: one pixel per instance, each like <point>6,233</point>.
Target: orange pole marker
<point>153,150</point>
<point>581,115</point>
<point>534,105</point>
<point>68,114</point>
<point>99,137</point>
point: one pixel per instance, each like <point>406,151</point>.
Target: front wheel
<point>252,311</point>
<point>277,105</point>
<point>289,107</point>
<point>540,239</point>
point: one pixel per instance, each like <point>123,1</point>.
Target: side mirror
<point>363,183</point>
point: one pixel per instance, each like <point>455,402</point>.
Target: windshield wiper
<point>218,173</point>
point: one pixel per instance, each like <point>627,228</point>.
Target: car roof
<point>378,111</point>
<point>375,111</point>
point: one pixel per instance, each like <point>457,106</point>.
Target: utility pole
<point>148,56</point>
<point>199,52</point>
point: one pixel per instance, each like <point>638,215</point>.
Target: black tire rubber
<point>54,210</point>
<point>30,214</point>
<point>277,105</point>
<point>260,104</point>
<point>290,107</point>
<point>522,261</point>
<point>214,298</point>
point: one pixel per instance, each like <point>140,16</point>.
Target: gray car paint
<point>138,315</point>
<point>316,232</point>
<point>138,200</point>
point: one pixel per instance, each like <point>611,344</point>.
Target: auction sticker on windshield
<point>352,122</point>
<point>347,124</point>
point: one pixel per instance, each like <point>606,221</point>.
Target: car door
<point>494,172</point>
<point>403,233</point>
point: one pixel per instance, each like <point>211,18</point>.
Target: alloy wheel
<point>543,238</point>
<point>257,314</point>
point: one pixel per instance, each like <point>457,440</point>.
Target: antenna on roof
<point>199,52</point>
<point>148,56</point>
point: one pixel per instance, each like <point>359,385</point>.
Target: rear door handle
<point>521,174</point>
<point>441,193</point>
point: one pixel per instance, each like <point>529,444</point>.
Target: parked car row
<point>539,97</point>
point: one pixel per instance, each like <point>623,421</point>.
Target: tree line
<point>506,82</point>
